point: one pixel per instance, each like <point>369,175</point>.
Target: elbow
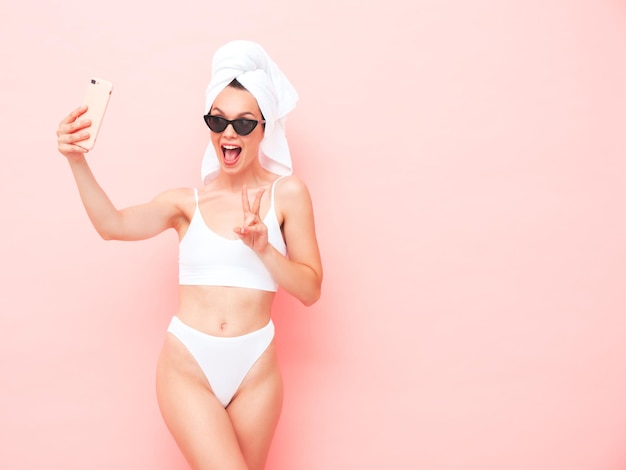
<point>109,228</point>
<point>106,234</point>
<point>312,296</point>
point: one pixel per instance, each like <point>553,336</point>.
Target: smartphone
<point>96,99</point>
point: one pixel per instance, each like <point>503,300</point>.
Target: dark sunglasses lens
<point>219,124</point>
<point>244,126</point>
<point>215,123</point>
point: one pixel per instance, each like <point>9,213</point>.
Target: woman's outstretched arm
<point>133,223</point>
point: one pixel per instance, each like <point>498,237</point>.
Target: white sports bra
<point>208,259</point>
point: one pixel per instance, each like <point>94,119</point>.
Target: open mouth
<point>231,154</point>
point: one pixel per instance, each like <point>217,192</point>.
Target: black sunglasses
<point>219,124</point>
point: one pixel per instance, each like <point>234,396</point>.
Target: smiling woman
<point>219,384</point>
<point>240,137</point>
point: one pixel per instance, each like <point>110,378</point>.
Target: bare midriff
<point>224,311</point>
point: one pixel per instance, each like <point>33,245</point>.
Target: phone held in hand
<point>96,99</point>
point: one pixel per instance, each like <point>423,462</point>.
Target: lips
<point>231,154</point>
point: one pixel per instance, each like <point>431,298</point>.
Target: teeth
<point>230,147</point>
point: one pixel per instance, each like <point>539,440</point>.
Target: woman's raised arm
<point>133,223</point>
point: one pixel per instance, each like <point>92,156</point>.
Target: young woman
<point>218,380</point>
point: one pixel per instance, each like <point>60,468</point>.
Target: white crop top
<point>208,259</point>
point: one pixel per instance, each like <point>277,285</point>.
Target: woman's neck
<point>252,178</point>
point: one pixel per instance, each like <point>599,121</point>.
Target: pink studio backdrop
<point>466,161</point>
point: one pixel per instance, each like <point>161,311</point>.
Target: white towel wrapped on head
<point>248,62</point>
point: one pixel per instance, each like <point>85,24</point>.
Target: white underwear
<point>225,361</point>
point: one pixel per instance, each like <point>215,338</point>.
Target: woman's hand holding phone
<point>77,132</point>
<point>73,130</point>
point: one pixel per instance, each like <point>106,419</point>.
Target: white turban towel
<point>248,62</point>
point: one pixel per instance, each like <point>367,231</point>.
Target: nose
<point>230,130</point>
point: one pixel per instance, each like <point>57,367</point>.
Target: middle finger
<point>70,128</point>
<point>256,205</point>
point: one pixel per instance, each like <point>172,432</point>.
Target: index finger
<point>74,115</point>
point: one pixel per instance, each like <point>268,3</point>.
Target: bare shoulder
<point>292,189</point>
<point>293,200</point>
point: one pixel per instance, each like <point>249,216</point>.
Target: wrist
<point>76,159</point>
<point>266,253</point>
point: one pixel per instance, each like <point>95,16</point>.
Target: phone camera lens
<point>93,81</point>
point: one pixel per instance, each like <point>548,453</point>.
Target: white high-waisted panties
<point>225,361</point>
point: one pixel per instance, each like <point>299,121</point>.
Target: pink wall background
<point>466,161</point>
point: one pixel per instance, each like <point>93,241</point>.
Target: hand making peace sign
<point>253,232</point>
